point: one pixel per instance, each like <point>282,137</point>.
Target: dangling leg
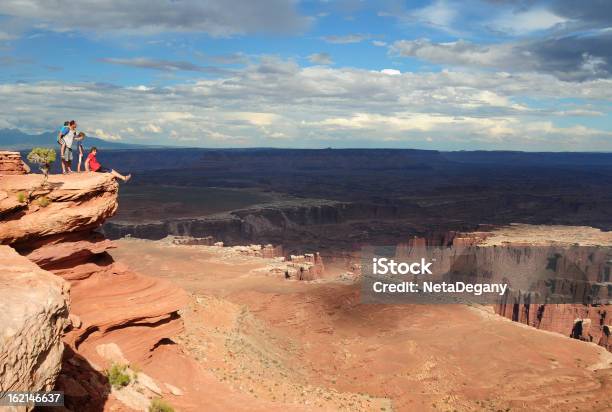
<point>120,176</point>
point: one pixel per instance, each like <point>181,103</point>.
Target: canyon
<point>115,316</point>
<point>315,343</point>
<point>337,200</point>
<point>209,320</point>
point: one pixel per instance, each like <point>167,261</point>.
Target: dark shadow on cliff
<point>85,389</point>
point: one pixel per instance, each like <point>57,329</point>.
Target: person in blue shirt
<point>60,139</point>
<point>67,141</point>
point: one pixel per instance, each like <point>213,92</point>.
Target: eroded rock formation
<point>566,261</point>
<point>11,164</point>
<point>308,266</point>
<point>33,313</point>
<point>52,225</point>
<point>589,322</point>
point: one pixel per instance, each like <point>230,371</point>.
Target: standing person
<point>91,164</point>
<point>68,141</point>
<point>60,139</point>
<point>80,137</point>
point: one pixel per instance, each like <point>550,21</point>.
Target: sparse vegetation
<point>43,157</point>
<point>21,197</point>
<point>43,201</point>
<point>159,405</point>
<point>118,375</point>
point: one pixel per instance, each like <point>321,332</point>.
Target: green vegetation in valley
<point>118,375</point>
<point>43,201</point>
<point>159,405</point>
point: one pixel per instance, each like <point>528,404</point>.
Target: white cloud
<point>594,65</point>
<point>346,39</point>
<point>527,21</point>
<point>456,53</point>
<point>215,17</point>
<point>102,134</point>
<point>278,102</point>
<point>440,14</point>
<point>320,58</point>
<point>391,72</point>
<point>567,58</point>
<point>4,36</point>
<point>151,127</point>
<point>505,131</point>
<point>256,119</point>
<point>163,65</point>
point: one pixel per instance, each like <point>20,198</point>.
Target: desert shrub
<point>118,375</point>
<point>21,197</point>
<point>159,405</point>
<point>43,157</point>
<point>43,201</point>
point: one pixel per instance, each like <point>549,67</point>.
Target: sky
<point>448,75</point>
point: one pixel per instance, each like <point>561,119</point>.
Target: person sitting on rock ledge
<point>91,164</point>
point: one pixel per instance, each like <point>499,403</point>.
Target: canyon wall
<point>559,277</point>
<point>583,269</point>
<point>116,315</point>
<point>254,224</point>
<point>235,227</point>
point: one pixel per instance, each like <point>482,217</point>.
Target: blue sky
<point>475,74</point>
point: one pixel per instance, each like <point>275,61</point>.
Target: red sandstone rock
<point>559,318</point>
<point>522,248</point>
<point>71,252</point>
<point>11,164</point>
<point>112,304</point>
<point>33,313</point>
<point>77,202</point>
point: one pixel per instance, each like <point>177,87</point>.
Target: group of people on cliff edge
<point>66,138</point>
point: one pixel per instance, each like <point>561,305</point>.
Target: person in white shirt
<point>69,139</point>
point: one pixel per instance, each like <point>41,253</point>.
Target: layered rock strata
<point>52,225</point>
<point>11,164</point>
<point>543,266</point>
<point>33,314</point>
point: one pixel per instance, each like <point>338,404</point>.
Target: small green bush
<point>159,405</point>
<point>118,375</point>
<point>21,197</point>
<point>44,201</point>
<point>42,156</point>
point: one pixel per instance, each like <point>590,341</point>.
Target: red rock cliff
<point>110,306</point>
<point>518,252</point>
<point>33,313</point>
<point>526,245</point>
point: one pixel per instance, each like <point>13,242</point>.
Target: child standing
<point>79,138</point>
<point>60,140</point>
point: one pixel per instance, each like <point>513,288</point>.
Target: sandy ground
<point>295,345</point>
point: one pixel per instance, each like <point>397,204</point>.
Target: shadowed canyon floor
<point>332,200</point>
<point>312,344</point>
